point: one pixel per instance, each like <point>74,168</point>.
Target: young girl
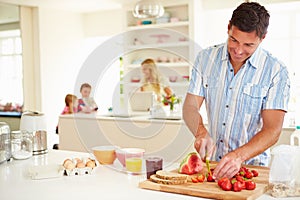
<point>71,104</point>
<point>153,81</point>
<point>87,104</point>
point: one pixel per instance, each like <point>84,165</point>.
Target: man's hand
<point>204,144</point>
<point>229,166</point>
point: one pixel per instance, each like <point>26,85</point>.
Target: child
<point>71,102</point>
<point>87,104</point>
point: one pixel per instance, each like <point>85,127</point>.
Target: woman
<point>153,81</point>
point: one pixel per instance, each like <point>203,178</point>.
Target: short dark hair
<point>85,85</point>
<point>251,16</point>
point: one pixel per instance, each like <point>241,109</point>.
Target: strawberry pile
<point>241,181</point>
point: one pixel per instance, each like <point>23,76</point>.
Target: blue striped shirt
<point>234,102</point>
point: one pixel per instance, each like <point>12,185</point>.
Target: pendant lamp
<point>148,9</point>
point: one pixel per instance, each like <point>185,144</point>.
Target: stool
<point>295,136</point>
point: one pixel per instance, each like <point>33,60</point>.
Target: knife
<point>208,166</point>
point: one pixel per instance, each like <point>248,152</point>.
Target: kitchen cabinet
<point>167,40</point>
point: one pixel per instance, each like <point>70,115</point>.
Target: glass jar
<point>21,145</point>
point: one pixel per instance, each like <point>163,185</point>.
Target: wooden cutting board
<point>211,189</point>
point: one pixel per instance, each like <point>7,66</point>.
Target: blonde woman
<point>153,81</point>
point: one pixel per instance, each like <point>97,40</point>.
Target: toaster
<point>5,144</point>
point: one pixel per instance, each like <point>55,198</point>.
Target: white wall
<point>103,23</point>
<point>61,34</point>
<point>66,39</point>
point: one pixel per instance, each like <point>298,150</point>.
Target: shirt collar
<point>252,61</point>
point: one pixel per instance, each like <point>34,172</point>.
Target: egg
<point>70,166</point>
<point>80,165</point>
<point>66,162</point>
<point>77,160</point>
<point>91,164</point>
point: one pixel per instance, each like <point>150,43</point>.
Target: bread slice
<point>170,175</point>
<point>155,179</point>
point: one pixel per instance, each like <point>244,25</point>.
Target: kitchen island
<point>168,138</point>
<point>104,183</point>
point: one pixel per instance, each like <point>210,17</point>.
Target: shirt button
<point>220,157</point>
<point>221,141</point>
<point>227,106</point>
<point>230,88</point>
<point>206,85</point>
<point>231,70</point>
<point>224,124</point>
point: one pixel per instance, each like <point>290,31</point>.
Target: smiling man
<point>246,93</point>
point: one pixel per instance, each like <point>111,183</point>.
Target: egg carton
<point>81,170</point>
<point>78,171</point>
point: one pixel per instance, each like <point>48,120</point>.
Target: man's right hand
<point>204,144</point>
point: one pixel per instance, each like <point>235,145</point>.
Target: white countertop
<point>104,183</point>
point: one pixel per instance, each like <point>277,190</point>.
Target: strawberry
<point>209,178</point>
<point>201,178</point>
<point>248,175</point>
<point>254,172</point>
<point>243,184</point>
<point>239,178</point>
<point>221,180</point>
<point>237,186</point>
<point>195,180</point>
<point>250,185</point>
<point>226,185</point>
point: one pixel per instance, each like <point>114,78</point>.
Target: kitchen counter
<point>169,138</point>
<point>103,183</point>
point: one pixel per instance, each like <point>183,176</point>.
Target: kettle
<point>34,123</point>
<point>5,144</point>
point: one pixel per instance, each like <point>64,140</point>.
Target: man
<point>246,92</point>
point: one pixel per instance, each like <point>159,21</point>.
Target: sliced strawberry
<point>254,172</point>
<point>201,178</point>
<point>195,180</point>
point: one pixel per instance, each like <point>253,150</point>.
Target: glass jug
<point>21,145</point>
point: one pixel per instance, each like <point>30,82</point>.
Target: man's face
<point>241,45</point>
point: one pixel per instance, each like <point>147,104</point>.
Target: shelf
<point>172,84</point>
<point>160,45</point>
<point>170,64</point>
<point>162,25</point>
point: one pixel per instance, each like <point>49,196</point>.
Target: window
<point>11,71</point>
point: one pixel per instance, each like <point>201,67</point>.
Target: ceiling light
<point>148,9</point>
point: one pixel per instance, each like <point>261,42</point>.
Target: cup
<point>133,163</point>
<point>153,164</point>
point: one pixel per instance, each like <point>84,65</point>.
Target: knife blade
<point>208,166</point>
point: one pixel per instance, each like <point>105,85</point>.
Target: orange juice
<point>134,164</point>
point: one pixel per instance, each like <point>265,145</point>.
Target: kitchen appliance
<point>34,123</point>
<point>5,147</point>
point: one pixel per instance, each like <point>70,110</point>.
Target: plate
<point>45,171</point>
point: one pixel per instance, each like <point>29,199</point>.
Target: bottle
<point>295,136</point>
